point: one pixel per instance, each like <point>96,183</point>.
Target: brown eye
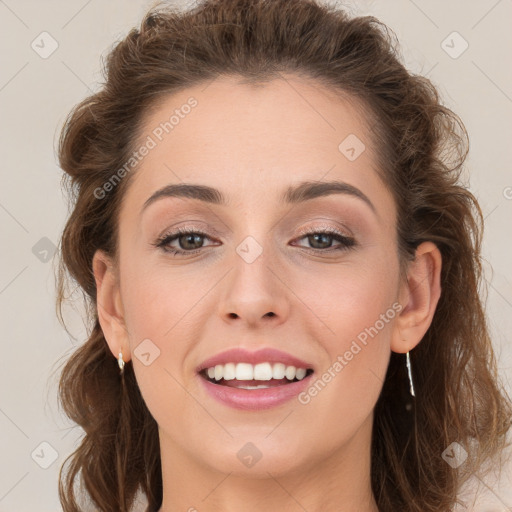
<point>320,240</point>
<point>190,241</point>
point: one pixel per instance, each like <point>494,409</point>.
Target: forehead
<point>254,141</point>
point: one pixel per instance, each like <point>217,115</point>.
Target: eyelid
<point>207,230</point>
<point>324,227</point>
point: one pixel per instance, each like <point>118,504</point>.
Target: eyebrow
<point>299,193</point>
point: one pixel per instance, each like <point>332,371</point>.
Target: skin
<point>252,143</point>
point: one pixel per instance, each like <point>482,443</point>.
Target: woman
<point>282,270</point>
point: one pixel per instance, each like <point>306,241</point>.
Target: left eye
<point>323,240</point>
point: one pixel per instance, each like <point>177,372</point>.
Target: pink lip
<point>239,355</point>
<point>255,399</point>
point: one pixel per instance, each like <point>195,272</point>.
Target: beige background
<point>37,93</point>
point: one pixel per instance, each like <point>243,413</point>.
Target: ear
<point>110,308</point>
<point>418,296</point>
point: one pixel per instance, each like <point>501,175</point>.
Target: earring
<point>120,362</point>
<point>408,363</point>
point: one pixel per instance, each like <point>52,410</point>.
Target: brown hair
<point>421,145</point>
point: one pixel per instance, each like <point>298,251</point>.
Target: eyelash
<point>162,242</point>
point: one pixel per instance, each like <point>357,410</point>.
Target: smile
<point>254,387</point>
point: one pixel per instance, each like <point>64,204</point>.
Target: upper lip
<point>241,355</point>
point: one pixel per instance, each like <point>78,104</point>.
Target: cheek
<point>155,298</point>
<point>355,310</point>
<point>162,312</point>
<point>350,296</point>
<point>163,318</point>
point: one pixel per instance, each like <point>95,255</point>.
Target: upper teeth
<point>261,371</point>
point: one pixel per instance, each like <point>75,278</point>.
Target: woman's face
<point>262,274</point>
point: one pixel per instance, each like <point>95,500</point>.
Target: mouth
<point>251,377</point>
<point>254,380</point>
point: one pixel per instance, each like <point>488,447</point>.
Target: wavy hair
<point>422,146</point>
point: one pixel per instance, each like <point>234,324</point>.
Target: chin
<point>256,459</point>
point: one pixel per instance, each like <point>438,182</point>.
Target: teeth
<point>243,371</point>
<point>290,372</point>
<point>261,371</point>
<point>229,371</point>
<point>278,371</point>
<point>300,373</point>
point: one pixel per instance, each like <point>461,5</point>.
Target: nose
<point>255,294</point>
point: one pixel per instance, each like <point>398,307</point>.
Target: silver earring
<point>408,363</point>
<point>120,362</point>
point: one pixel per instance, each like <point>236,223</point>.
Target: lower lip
<point>255,399</point>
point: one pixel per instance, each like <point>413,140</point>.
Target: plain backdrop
<point>51,59</point>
